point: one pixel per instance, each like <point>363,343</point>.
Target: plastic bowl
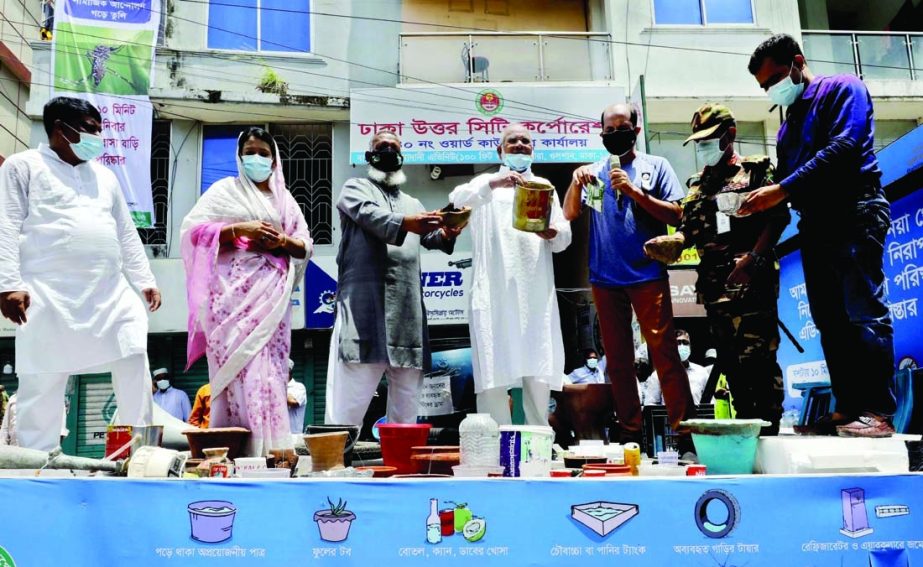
<point>379,471</point>
<point>475,471</point>
<point>574,462</point>
<point>726,446</point>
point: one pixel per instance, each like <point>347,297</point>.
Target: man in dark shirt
<point>828,171</point>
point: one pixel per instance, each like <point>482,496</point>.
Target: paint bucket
<point>396,442</point>
<point>155,462</point>
<point>532,203</point>
<point>526,450</point>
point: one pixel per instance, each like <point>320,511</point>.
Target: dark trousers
<point>849,305</point>
<point>652,304</point>
<point>747,340</point>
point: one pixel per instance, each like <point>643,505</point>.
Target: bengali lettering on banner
<point>104,52</point>
<point>446,125</point>
<point>795,314</point>
<point>752,520</point>
<point>903,263</point>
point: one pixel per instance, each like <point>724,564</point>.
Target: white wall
<point>17,28</point>
<point>677,69</point>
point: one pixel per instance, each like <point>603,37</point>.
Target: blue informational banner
<point>795,313</point>
<point>901,157</point>
<point>817,521</point>
<point>903,263</point>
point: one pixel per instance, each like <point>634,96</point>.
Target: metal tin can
<point>219,470</point>
<point>696,470</point>
<point>532,203</point>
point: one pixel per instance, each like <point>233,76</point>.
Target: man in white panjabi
<point>514,321</point>
<point>69,257</point>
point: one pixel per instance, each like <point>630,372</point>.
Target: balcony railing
<point>870,55</point>
<point>504,57</point>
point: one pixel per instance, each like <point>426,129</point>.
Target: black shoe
<point>826,425</point>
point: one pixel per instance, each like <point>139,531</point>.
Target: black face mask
<point>386,160</point>
<point>619,142</point>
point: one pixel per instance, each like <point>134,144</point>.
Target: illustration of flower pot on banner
<point>334,522</point>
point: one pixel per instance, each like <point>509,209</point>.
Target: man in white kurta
<point>514,322</point>
<point>69,257</point>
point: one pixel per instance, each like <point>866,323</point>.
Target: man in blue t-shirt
<point>639,198</point>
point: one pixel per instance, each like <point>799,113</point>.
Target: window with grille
<point>160,184</point>
<point>307,159</point>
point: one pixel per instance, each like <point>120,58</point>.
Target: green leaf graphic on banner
<point>6,560</point>
<point>142,219</point>
<point>103,60</point>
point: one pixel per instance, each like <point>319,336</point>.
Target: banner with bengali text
<point>456,125</point>
<point>757,521</point>
<point>903,263</point>
<point>103,52</point>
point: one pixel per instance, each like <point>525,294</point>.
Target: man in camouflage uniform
<point>738,276</point>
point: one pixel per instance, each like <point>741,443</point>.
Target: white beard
<point>391,179</point>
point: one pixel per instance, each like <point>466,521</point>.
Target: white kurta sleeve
<point>14,205</point>
<point>300,393</point>
<point>562,240</point>
<point>5,429</point>
<point>473,194</point>
<point>652,392</point>
<point>134,260</point>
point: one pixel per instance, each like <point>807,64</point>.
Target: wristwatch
<point>758,260</point>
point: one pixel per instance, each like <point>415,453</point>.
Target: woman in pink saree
<point>245,246</point>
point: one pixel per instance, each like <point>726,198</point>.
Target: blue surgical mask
<point>257,168</point>
<point>684,352</point>
<point>709,152</point>
<point>88,146</point>
<point>786,92</point>
<point>592,363</point>
<point>517,162</point>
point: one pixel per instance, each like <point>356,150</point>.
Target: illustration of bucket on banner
<point>526,450</point>
<point>212,521</point>
<point>532,206</point>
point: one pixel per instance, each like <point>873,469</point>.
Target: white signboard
<point>445,125</point>
<point>435,397</point>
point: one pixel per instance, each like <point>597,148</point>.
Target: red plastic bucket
<point>396,441</point>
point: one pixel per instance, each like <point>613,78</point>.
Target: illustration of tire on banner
<point>717,513</point>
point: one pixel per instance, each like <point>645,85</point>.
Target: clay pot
<point>326,450</point>
<point>352,430</point>
<point>233,438</point>
<point>284,458</point>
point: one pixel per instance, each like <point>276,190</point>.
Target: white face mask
<point>163,384</point>
<point>684,352</point>
<point>709,152</point>
<point>786,92</point>
<point>592,363</point>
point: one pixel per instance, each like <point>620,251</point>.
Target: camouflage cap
<point>708,119</point>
